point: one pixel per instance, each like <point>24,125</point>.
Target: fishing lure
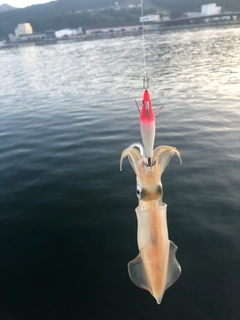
<point>156,267</point>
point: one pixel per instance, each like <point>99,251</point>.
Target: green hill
<point>195,5</point>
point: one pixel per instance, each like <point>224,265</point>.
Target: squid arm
<point>163,155</point>
<point>133,155</point>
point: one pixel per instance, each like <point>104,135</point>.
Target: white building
<point>150,18</point>
<point>209,9</point>
<point>191,14</point>
<point>68,33</point>
<point>23,28</point>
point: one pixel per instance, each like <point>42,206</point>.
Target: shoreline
<point>120,34</point>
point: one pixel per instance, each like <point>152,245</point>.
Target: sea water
<point>68,224</point>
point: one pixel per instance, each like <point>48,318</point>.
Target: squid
<point>155,268</point>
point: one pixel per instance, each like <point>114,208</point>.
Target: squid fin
<point>139,277</point>
<point>137,273</point>
<point>174,268</point>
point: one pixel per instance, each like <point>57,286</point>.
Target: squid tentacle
<point>133,156</point>
<point>163,154</point>
<point>140,147</point>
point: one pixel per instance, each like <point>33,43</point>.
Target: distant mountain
<point>6,7</point>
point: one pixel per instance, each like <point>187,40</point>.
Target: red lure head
<point>147,125</point>
<point>147,114</point>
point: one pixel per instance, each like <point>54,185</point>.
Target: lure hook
<point>149,162</point>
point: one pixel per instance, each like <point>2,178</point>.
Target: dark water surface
<point>67,214</point>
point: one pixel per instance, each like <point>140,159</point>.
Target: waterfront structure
<point>23,29</point>
<point>121,30</point>
<point>32,37</point>
<point>210,9</point>
<point>191,14</point>
<point>214,19</point>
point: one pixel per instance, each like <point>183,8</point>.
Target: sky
<point>23,3</point>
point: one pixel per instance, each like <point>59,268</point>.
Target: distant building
<point>191,14</point>
<point>32,37</point>
<point>2,43</point>
<point>150,18</point>
<point>12,37</point>
<point>210,9</point>
<point>120,30</point>
<point>130,6</point>
<point>50,34</point>
<point>23,28</point>
<point>164,16</point>
<point>66,33</point>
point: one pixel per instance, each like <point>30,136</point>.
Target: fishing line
<point>145,75</point>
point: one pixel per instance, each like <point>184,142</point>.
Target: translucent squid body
<point>155,268</point>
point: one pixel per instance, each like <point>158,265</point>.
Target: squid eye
<point>139,191</point>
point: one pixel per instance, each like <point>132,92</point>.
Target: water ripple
<point>67,112</point>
